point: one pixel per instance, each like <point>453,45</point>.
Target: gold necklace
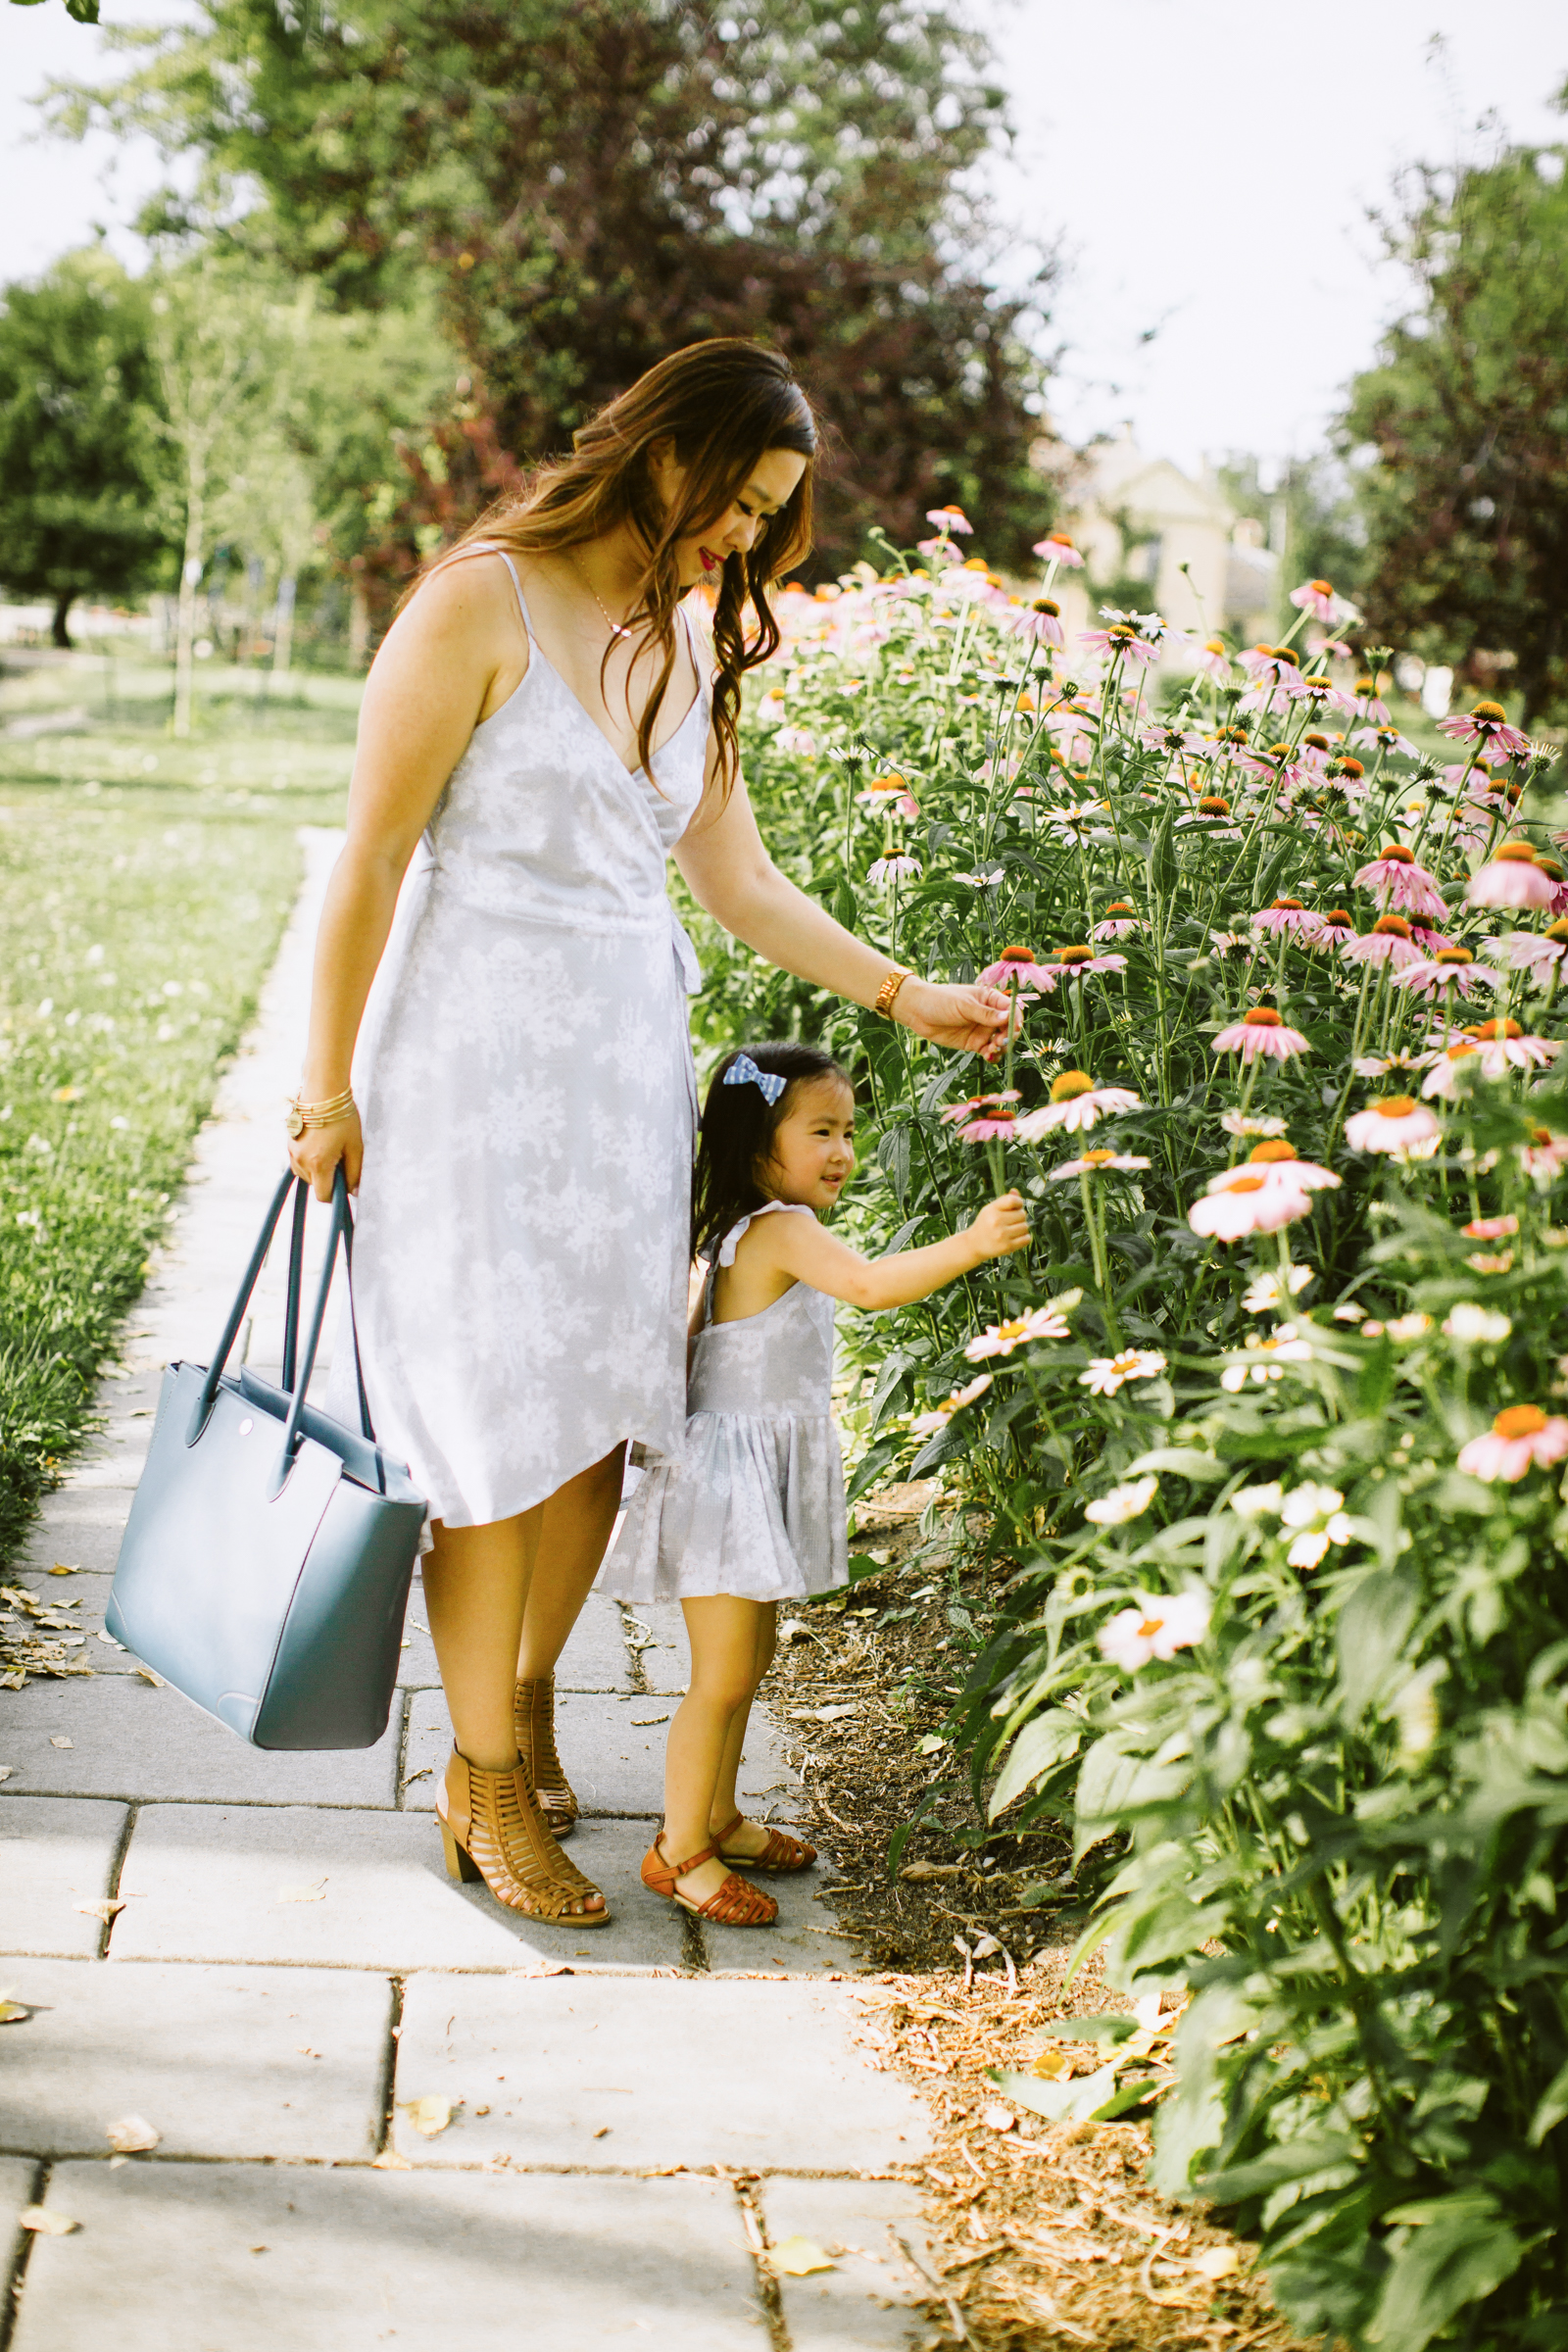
<point>616,628</point>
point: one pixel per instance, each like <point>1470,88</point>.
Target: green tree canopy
<point>592,182</point>
<point>79,457</point>
<point>1465,423</point>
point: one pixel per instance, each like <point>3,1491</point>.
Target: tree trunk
<point>284,627</point>
<point>190,572</point>
<point>59,633</point>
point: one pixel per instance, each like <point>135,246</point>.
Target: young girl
<point>752,1513</point>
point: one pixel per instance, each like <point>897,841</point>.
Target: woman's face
<point>770,486</point>
<point>814,1143</point>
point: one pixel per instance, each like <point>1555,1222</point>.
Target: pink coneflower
<point>1442,1080</point>
<point>1057,547</point>
<point>950,518</point>
<point>1098,1163</point>
<point>1076,964</point>
<point>1321,693</point>
<point>1400,883</point>
<point>1017,967</point>
<point>1335,926</point>
<point>1076,1105</point>
<point>1119,638</point>
<point>1388,940</point>
<point>1156,1628</point>
<point>1533,950</point>
<point>1214,660</point>
<point>1121,917</point>
<point>1505,1044</point>
<point>1170,739</point>
<point>1559,882</point>
<point>1369,703</point>
<point>1047,1322</point>
<point>884,870</point>
<point>1276,1154</point>
<point>1391,1125</point>
<point>930,1424</point>
<point>1490,1229</point>
<point>995,1122</point>
<point>1512,879</point>
<point>1271,664</point>
<point>1040,621</point>
<point>1449,971</point>
<point>1520,1435</point>
<point>1105,1374</point>
<point>1261,1031</point>
<point>955,1115</point>
<point>1317,597</point>
<point>1291,916</point>
<point>1385,739</point>
<point>1488,723</point>
<point>1545,1157</point>
<point>1248,1199</point>
<point>890,791</point>
<point>797,741</point>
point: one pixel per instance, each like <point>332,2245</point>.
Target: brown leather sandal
<point>492,1829</point>
<point>781,1852</point>
<point>732,1906</point>
<point>533,1715</point>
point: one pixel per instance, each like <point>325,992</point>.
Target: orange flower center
<point>1321,587</point>
<point>1070,1084</point>
<point>1072,955</point>
<point>1496,1029</point>
<point>1516,852</point>
<point>1319,743</point>
<point>1457,1052</point>
<point>1214,644</point>
<point>1337,914</point>
<point>1453,956</point>
<point>1097,1159</point>
<point>1296,905</point>
<point>889,783</point>
<point>1541,1135</point>
<point>1121,907</point>
<point>1057,539</point>
<point>1519,1421</point>
<point>1493,711</point>
<point>1393,926</point>
<point>1558,930</point>
<point>1017,956</point>
<point>1261,1016</point>
<point>1043,604</point>
<point>1246,1184</point>
<point>1276,1149</point>
<point>1213,806</point>
<point>1395,1107</point>
<point>1394,853</point>
<point>1351,767</point>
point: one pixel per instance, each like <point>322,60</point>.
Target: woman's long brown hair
<point>721,404</point>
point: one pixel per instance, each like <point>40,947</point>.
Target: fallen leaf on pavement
<point>47,2220</point>
<point>132,2136</point>
<point>148,1675</point>
<point>798,2257</point>
<point>390,2161</point>
<point>60,1569</point>
<point>12,2013</point>
<point>643,1722</point>
<point>105,1910</point>
<point>931,1870</point>
<point>6,1770</point>
<point>429,2115</point>
<point>109,1641</point>
<point>55,1742</point>
<point>313,1892</point>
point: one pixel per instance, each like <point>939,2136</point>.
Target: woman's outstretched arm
<point>732,876</point>
<point>448,657</point>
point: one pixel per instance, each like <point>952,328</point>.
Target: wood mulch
<point>1040,2235</point>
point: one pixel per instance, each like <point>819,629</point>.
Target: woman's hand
<point>967,1019</point>
<point>314,1155</point>
<point>1002,1227</point>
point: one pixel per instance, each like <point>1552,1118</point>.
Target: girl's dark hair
<point>722,403</point>
<point>737,1133</point>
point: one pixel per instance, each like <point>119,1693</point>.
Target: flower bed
<point>1268,1426</point>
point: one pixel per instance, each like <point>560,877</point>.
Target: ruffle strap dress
<point>752,1502</point>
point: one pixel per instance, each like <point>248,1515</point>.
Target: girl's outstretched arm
<point>798,1246</point>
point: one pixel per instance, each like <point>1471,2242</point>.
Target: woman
<point>539,725</point>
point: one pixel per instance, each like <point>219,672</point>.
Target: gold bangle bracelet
<point>887,993</point>
<point>317,1114</point>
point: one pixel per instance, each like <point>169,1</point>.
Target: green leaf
<point>85,12</point>
<point>1298,2159</point>
<point>1076,2098</point>
<point>1050,1740</point>
<point>1553,2108</point>
<point>1461,2252</point>
<point>844,904</point>
<point>1114,1783</point>
<point>1374,1625</point>
<point>1182,1460</point>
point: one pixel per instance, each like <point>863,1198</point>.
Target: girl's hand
<point>1002,1227</point>
<point>967,1021</point>
<point>314,1155</point>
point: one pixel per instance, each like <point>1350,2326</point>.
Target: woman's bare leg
<point>475,1586</point>
<point>723,1633</point>
<point>726,1804</point>
<point>573,1537</point>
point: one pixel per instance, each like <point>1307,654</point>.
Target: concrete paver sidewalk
<point>261,1956</point>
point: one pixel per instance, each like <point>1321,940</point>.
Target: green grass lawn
<point>143,886</point>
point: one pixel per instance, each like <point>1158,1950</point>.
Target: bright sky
<point>1206,165</point>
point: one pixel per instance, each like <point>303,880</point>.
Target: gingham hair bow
<point>742,1071</point>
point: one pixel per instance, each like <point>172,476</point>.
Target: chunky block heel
<point>458,1864</point>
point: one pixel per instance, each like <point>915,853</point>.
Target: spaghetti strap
<point>488,547</point>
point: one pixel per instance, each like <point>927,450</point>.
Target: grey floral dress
<point>525,1080</point>
<point>752,1502</point>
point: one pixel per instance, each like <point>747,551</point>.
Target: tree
<point>79,464</point>
<point>1461,430</point>
<point>591,183</point>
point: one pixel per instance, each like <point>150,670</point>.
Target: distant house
<point>1137,521</point>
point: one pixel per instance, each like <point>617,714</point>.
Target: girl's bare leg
<point>748,1838</point>
<point>573,1537</point>
<point>475,1587</point>
<point>723,1634</point>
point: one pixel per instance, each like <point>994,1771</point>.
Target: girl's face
<point>771,483</point>
<point>813,1148</point>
